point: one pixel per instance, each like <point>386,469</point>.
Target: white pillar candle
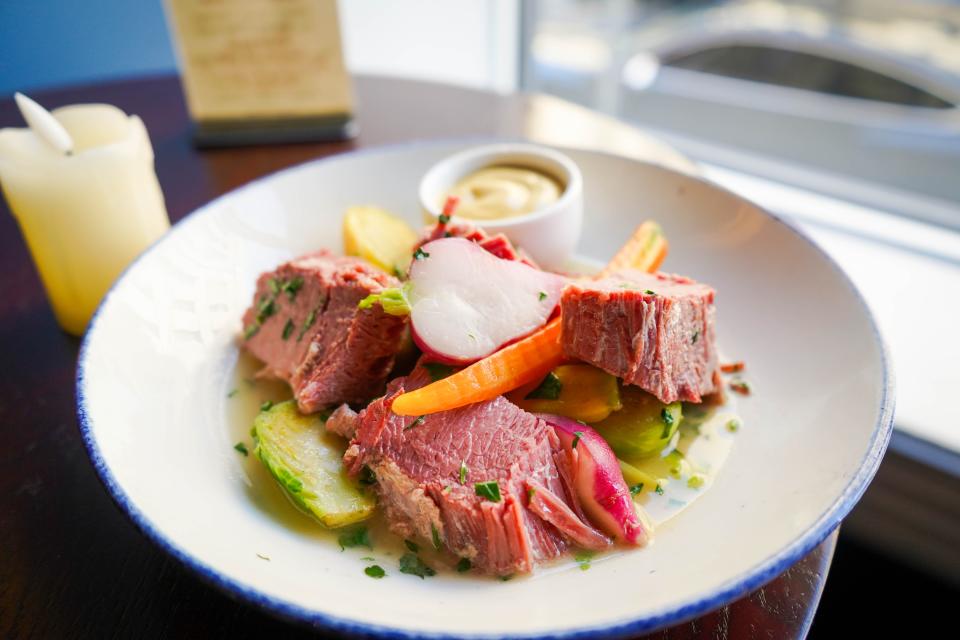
<point>87,204</point>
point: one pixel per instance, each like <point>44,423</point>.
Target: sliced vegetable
<point>378,236</point>
<point>531,358</point>
<point>645,250</point>
<point>599,484</point>
<point>643,427</point>
<point>637,480</point>
<point>466,303</point>
<point>520,363</point>
<point>582,392</point>
<point>307,462</point>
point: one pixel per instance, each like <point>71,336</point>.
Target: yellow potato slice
<point>379,237</point>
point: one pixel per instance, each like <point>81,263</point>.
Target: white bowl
<point>157,365</point>
<point>549,234</point>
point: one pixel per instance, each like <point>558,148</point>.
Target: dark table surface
<point>71,564</point>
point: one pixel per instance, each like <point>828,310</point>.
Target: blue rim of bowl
<point>756,577</point>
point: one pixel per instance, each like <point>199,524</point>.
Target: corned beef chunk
<point>427,469</point>
<point>499,245</point>
<point>653,330</point>
<point>306,328</point>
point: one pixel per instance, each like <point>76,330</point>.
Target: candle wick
<point>44,124</point>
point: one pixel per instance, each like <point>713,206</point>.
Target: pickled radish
<point>467,303</point>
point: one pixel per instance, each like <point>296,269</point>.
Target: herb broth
<point>698,449</point>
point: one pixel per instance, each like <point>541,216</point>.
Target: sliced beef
<point>417,464</point>
<point>305,326</point>
<point>653,330</point>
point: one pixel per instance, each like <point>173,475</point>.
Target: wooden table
<point>71,564</point>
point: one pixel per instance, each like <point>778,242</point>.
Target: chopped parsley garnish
<point>650,292</point>
<point>415,423</point>
<point>375,571</point>
<point>583,558</point>
<point>530,493</point>
<point>368,559</point>
<point>266,405</point>
<point>412,564</point>
<point>443,218</point>
<point>464,565</point>
<point>292,286</point>
<point>233,392</point>
<point>242,448</point>
<point>359,537</point>
<point>733,425</point>
<point>576,439</point>
<point>307,323</point>
<point>464,472</point>
<point>267,308</point>
<point>437,370</point>
<point>549,389</point>
<point>274,286</point>
<point>696,336</point>
<point>741,386</point>
<point>447,234</point>
<point>659,489</point>
<point>367,477</point>
<point>668,420</point>
<point>542,296</point>
<point>435,537</point>
<point>399,273</point>
<point>263,557</point>
<point>637,488</point>
<point>287,329</point>
<point>489,490</point>
<point>411,545</point>
<point>420,254</point>
<point>695,481</point>
<point>251,330</point>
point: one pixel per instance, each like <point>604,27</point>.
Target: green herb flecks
<point>741,386</point>
<point>438,371</point>
<point>696,336</point>
<point>650,292</point>
<point>308,322</point>
<point>266,308</point>
<point>358,537</point>
<point>415,423</point>
<point>668,420</point>
<point>464,472</point>
<point>443,218</point>
<point>576,439</point>
<point>393,301</point>
<point>413,565</point>
<point>287,329</point>
<point>530,493</point>
<point>637,488</point>
<point>274,286</point>
<point>292,286</point>
<point>435,537</point>
<point>542,296</point>
<point>549,389</point>
<point>489,490</point>
<point>233,392</point>
<point>420,254</point>
<point>583,558</point>
<point>411,545</point>
<point>251,330</point>
<point>242,448</point>
<point>266,405</point>
<point>733,425</point>
<point>375,571</point>
<point>695,481</point>
<point>659,489</point>
<point>464,565</point>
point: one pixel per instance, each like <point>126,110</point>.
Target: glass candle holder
<point>87,214</point>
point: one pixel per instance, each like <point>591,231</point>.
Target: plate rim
<point>728,591</point>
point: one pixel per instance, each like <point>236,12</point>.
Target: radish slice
<point>466,303</point>
<point>599,484</point>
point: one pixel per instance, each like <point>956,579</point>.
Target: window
<point>801,70</point>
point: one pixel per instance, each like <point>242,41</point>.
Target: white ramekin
<point>549,234</point>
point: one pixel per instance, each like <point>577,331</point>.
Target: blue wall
<point>56,42</point>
